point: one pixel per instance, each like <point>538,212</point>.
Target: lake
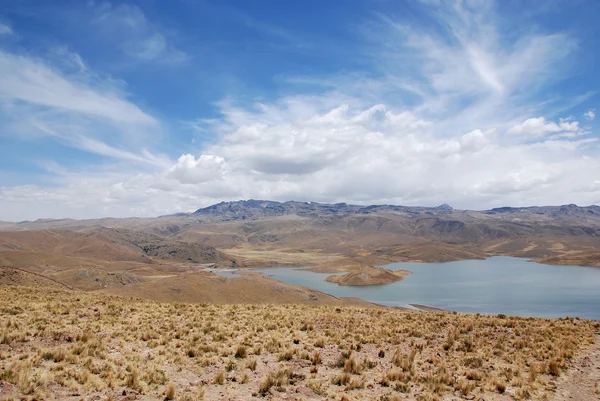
<point>508,285</point>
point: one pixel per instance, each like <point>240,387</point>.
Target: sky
<point>149,108</point>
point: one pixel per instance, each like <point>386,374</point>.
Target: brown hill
<point>368,275</point>
<point>69,243</point>
<point>212,288</point>
<point>17,277</point>
<point>146,254</point>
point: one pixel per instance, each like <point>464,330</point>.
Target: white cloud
<point>349,158</point>
<point>5,30</point>
<point>76,109</point>
<point>538,127</point>
<point>31,81</point>
<point>137,36</point>
<point>449,114</point>
<point>590,115</point>
<point>190,170</point>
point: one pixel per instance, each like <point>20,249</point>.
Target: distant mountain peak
<point>256,209</point>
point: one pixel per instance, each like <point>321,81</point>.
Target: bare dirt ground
<point>582,381</point>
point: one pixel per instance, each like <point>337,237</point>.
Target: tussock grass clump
<point>403,361</point>
<point>351,365</point>
<point>241,352</point>
<point>315,359</point>
<point>288,355</point>
<point>220,377</point>
<point>274,379</point>
<point>56,343</point>
<point>170,392</point>
<point>342,379</point>
<point>251,364</point>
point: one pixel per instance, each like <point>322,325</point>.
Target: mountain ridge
<point>253,209</point>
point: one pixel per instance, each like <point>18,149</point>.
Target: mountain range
<point>128,254</point>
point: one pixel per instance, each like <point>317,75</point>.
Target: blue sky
<point>151,107</point>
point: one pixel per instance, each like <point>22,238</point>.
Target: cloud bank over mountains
<point>461,110</point>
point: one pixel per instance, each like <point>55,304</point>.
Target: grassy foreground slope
<point>68,345</point>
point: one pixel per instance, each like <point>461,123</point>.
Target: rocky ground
<point>582,381</point>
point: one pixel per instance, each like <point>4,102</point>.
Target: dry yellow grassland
<point>68,345</point>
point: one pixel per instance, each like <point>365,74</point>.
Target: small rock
<point>304,391</point>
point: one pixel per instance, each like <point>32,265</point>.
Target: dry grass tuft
<point>56,343</point>
<point>170,392</point>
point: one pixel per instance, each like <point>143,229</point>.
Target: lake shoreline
<point>497,285</point>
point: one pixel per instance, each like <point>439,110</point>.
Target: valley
<point>145,255</point>
<point>84,302</point>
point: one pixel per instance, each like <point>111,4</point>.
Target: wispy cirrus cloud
<point>136,35</point>
<point>462,108</point>
<point>5,30</point>
<point>75,109</point>
<point>34,82</point>
<point>467,62</point>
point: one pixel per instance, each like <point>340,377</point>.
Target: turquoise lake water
<point>512,286</point>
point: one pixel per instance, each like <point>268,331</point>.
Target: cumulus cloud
<point>590,115</point>
<point>538,127</point>
<point>190,170</point>
<point>445,115</point>
<point>363,160</point>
